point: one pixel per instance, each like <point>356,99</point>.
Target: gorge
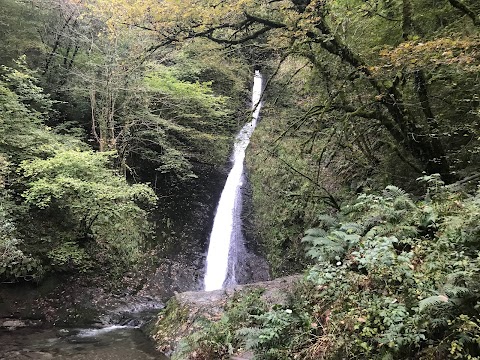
<point>358,193</point>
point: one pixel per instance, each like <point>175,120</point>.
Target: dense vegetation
<point>94,127</point>
<point>364,169</point>
<point>392,279</point>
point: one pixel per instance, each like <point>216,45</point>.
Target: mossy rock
<point>186,312</point>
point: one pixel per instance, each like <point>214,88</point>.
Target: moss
<point>170,325</point>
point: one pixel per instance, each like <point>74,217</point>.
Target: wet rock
<point>243,356</point>
<point>135,314</point>
<point>180,317</point>
<point>12,324</point>
<point>64,333</point>
<point>40,355</point>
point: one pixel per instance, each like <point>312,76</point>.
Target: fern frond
<point>312,234</point>
<point>406,231</point>
<point>327,221</point>
<point>381,230</point>
<point>456,291</point>
<point>325,249</point>
<point>351,228</point>
<point>432,301</point>
<point>394,192</point>
<point>404,203</point>
<point>345,238</point>
<point>438,322</point>
<point>250,336</point>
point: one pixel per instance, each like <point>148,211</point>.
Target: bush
<point>409,287</point>
<point>108,216</point>
<point>14,263</point>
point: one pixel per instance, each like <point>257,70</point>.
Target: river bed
<point>111,343</point>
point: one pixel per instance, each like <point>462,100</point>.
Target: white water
<point>227,227</point>
<point>107,329</point>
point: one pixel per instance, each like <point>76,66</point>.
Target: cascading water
<point>227,225</point>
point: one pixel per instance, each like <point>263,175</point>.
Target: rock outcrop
<point>181,316</point>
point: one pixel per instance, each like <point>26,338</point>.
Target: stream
<point>116,342</point>
<point>103,341</point>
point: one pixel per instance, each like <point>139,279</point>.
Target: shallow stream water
<point>111,343</point>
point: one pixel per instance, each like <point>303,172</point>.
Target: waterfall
<point>227,225</point>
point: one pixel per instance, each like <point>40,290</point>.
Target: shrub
<point>109,216</point>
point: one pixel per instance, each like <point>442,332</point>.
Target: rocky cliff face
<point>186,312</point>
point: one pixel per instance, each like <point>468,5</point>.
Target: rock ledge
<point>179,318</point>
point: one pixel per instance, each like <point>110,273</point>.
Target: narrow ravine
<point>227,225</point>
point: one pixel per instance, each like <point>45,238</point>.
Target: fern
<point>311,234</point>
<point>436,323</point>
<point>327,221</point>
<point>381,230</point>
<point>394,192</point>
<point>250,337</point>
<point>432,302</point>
<point>351,228</point>
<point>325,247</point>
<point>456,292</point>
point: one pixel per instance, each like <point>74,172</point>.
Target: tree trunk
<point>405,132</point>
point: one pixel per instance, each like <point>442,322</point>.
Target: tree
<point>75,207</point>
<point>15,264</point>
<point>23,106</point>
<point>308,28</point>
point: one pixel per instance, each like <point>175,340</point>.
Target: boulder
<point>180,317</point>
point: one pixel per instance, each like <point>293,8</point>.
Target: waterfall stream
<point>227,225</point>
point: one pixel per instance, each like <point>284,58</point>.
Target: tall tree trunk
<point>441,164</point>
<point>407,22</point>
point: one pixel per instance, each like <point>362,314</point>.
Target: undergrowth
<point>393,278</point>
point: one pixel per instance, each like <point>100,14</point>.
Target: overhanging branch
<point>466,10</point>
<point>252,36</point>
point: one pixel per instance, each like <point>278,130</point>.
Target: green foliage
<point>15,264</point>
<point>69,256</point>
<point>332,246</point>
<point>187,122</point>
<point>91,213</point>
<point>23,111</point>
<point>24,83</point>
<point>393,279</point>
<point>21,131</point>
<point>403,284</point>
<point>285,203</point>
<point>220,339</point>
<point>100,204</point>
<point>19,23</point>
<point>198,100</point>
<point>277,333</point>
<point>71,210</point>
<point>203,61</point>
